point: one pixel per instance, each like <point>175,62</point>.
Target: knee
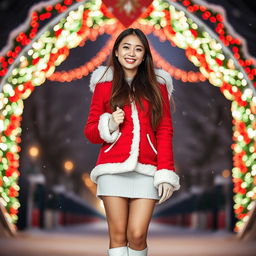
<point>118,236</point>
<point>136,238</point>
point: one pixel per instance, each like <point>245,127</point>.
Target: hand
<point>118,115</point>
<point>165,190</point>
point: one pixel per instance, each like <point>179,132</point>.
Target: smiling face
<point>130,53</point>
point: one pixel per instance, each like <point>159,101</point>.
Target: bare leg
<point>117,209</point>
<point>140,214</point>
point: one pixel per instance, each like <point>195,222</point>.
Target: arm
<point>96,129</point>
<point>165,163</point>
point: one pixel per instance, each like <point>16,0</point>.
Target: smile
<point>128,60</point>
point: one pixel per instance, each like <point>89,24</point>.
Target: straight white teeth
<point>130,61</point>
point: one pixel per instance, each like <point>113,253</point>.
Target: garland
<point>36,53</point>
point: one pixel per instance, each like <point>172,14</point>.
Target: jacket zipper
<point>151,144</point>
<point>106,150</point>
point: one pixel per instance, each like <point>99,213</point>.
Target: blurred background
<point>56,194</point>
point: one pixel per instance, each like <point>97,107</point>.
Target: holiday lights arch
<point>220,59</point>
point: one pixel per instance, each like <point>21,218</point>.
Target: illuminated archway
<point>220,58</point>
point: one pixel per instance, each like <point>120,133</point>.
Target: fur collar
<point>160,73</point>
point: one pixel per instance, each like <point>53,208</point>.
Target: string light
<point>84,70</point>
<point>78,73</point>
<point>220,70</point>
<point>177,73</point>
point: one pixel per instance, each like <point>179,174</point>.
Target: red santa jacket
<point>134,146</point>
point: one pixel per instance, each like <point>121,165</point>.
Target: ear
<point>116,53</point>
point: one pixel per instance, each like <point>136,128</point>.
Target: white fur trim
<point>108,76</point>
<point>112,145</point>
<point>160,74</point>
<point>97,74</point>
<point>104,129</point>
<point>130,163</point>
<point>168,176</point>
<point>147,169</point>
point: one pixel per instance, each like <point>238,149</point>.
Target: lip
<point>127,59</point>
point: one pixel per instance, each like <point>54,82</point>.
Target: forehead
<point>131,40</point>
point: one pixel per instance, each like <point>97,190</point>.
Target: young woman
<point>130,117</point>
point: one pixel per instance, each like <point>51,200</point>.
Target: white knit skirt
<point>127,184</point>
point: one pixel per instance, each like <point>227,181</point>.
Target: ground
<point>92,240</point>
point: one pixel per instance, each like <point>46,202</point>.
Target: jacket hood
<point>162,76</point>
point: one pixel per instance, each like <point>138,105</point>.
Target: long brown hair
<point>144,83</point>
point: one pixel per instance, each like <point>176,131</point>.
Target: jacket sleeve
<point>165,162</point>
<point>96,129</point>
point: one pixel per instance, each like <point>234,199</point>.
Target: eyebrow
<point>136,45</point>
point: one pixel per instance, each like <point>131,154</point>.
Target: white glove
<point>165,190</point>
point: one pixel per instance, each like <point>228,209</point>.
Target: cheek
<point>141,55</point>
<point>121,54</point>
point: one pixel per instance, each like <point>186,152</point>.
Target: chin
<point>130,67</point>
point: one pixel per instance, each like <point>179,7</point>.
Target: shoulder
<point>100,75</point>
<point>165,79</point>
<point>103,74</point>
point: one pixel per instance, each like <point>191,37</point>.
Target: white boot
<point>118,251</point>
<point>132,252</point>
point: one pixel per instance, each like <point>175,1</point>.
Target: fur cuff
<point>168,176</point>
<point>97,76</point>
<point>104,129</point>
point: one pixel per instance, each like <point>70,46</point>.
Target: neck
<point>130,73</point>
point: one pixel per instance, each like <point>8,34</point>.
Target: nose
<point>132,52</point>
